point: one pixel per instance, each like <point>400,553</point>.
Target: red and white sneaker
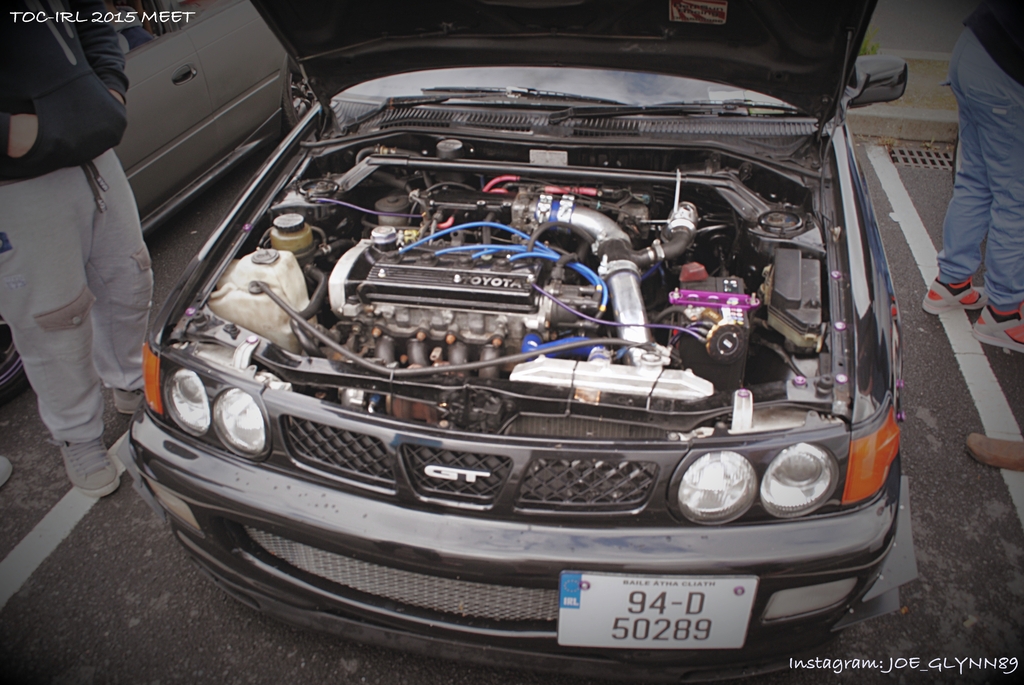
<point>1001,329</point>
<point>942,297</point>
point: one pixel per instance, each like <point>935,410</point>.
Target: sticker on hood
<point>698,11</point>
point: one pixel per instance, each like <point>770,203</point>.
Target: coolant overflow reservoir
<point>258,313</point>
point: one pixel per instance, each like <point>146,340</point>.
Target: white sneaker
<point>89,468</point>
<point>1008,334</point>
<point>940,298</point>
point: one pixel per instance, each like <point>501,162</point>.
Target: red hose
<point>558,190</point>
<point>489,188</point>
<point>447,223</point>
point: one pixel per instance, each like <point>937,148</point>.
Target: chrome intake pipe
<point>621,265</point>
<point>541,209</point>
<point>623,279</point>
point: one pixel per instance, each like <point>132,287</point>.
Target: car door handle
<point>184,75</point>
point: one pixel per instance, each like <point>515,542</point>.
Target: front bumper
<point>232,498</point>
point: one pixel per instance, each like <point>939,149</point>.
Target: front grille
<point>460,477</point>
<point>586,484</point>
<point>354,455</point>
<point>444,595</point>
<point>556,426</point>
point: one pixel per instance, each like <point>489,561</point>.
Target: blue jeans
<point>988,198</point>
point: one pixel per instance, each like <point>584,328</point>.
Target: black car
<point>558,335</point>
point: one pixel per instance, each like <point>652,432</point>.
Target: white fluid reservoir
<point>257,312</point>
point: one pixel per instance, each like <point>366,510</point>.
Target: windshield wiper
<point>435,96</point>
<point>728,107</point>
<point>518,93</point>
<point>393,103</point>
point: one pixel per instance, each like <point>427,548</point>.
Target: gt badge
<point>452,473</point>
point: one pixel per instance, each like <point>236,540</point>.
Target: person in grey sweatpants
<point>75,288</point>
<point>75,277</point>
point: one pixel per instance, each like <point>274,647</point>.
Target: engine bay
<point>482,286</point>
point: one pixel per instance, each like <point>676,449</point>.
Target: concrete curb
<point>918,54</point>
<point>904,123</point>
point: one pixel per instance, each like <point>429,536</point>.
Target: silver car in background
<point>203,94</point>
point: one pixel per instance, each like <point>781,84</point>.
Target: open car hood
<point>799,51</point>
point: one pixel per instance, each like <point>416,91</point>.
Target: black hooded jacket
<point>60,71</point>
<point>999,26</point>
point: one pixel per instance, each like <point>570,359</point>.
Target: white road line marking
<point>58,523</point>
<point>996,416</point>
<point>24,559</point>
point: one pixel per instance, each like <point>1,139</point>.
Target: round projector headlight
<point>240,422</point>
<point>190,406</point>
<point>718,487</point>
<point>798,481</point>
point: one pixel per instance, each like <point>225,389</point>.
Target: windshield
<point>623,87</point>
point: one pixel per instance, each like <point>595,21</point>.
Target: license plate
<point>654,612</point>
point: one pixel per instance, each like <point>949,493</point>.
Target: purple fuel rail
<point>703,298</point>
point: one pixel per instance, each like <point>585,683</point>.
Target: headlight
<point>798,480</point>
<point>189,403</point>
<point>240,422</point>
<point>718,487</point>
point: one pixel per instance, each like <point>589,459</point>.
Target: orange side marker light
<point>870,459</point>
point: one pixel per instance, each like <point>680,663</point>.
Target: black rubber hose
<point>312,331</point>
<point>364,153</point>
<point>620,249</point>
<point>308,346</point>
<point>779,350</point>
<point>485,231</point>
<point>453,184</point>
<point>678,244</point>
<point>373,149</point>
<point>389,179</point>
<point>317,299</point>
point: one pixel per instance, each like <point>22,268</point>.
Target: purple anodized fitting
<point>841,378</point>
<point>190,312</point>
<point>252,339</point>
<point>839,325</point>
<point>836,275</point>
<point>800,381</point>
<point>703,298</point>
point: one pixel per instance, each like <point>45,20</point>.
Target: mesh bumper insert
<point>444,595</point>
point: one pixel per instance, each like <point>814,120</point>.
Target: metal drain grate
<point>927,159</point>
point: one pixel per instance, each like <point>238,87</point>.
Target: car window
<point>627,87</point>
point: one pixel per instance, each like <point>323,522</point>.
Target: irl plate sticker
<point>569,590</point>
<point>698,11</point>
